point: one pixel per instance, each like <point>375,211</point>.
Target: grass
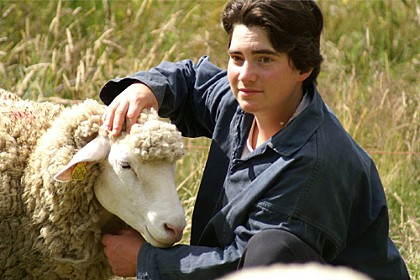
<point>66,50</point>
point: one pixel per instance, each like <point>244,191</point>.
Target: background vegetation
<point>65,50</point>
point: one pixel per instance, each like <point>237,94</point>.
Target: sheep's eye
<point>125,165</point>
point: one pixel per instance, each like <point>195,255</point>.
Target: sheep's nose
<point>175,231</point>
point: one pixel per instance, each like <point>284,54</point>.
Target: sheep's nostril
<point>174,230</point>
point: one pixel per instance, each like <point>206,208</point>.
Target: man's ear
<point>93,152</point>
<point>305,75</point>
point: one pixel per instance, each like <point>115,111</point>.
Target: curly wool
<point>6,95</point>
<point>66,216</point>
<point>51,230</point>
<point>154,139</point>
<point>48,230</point>
<point>21,125</point>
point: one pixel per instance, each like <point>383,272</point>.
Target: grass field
<point>66,50</point>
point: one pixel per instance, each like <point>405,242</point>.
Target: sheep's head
<point>154,140</point>
<point>136,181</point>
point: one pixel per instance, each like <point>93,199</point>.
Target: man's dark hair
<point>293,27</point>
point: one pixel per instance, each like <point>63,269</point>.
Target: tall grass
<point>65,51</point>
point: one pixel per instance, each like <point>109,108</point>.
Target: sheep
<point>62,175</point>
<point>6,95</point>
<point>313,271</point>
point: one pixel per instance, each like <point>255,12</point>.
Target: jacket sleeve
<point>184,262</point>
<point>187,93</point>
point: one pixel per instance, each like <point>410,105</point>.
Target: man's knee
<point>277,246</point>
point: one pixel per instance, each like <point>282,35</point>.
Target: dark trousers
<point>277,246</point>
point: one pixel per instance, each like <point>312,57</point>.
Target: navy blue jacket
<point>311,179</point>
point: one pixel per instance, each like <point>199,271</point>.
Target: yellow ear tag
<point>79,171</point>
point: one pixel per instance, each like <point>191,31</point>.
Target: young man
<point>283,182</point>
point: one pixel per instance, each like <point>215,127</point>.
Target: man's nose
<point>247,73</point>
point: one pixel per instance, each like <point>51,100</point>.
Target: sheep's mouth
<point>155,242</point>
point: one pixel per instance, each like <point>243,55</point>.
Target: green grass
<point>66,50</point>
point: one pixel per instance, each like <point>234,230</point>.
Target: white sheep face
<point>129,186</point>
<point>142,194</point>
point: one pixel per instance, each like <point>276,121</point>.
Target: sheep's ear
<point>94,151</point>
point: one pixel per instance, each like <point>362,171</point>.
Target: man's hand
<point>122,251</point>
<point>127,107</point>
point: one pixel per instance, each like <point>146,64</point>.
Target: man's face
<point>263,80</point>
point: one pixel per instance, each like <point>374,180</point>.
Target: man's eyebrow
<point>260,51</point>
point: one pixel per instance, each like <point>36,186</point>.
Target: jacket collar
<point>298,131</point>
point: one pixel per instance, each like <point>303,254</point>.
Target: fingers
<point>114,116</point>
<point>127,106</point>
<point>133,113</point>
<point>119,117</point>
<point>122,250</point>
<point>107,118</point>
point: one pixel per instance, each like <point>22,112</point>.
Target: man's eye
<point>235,58</point>
<point>265,60</point>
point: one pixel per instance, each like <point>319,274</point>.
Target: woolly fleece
<point>48,229</point>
